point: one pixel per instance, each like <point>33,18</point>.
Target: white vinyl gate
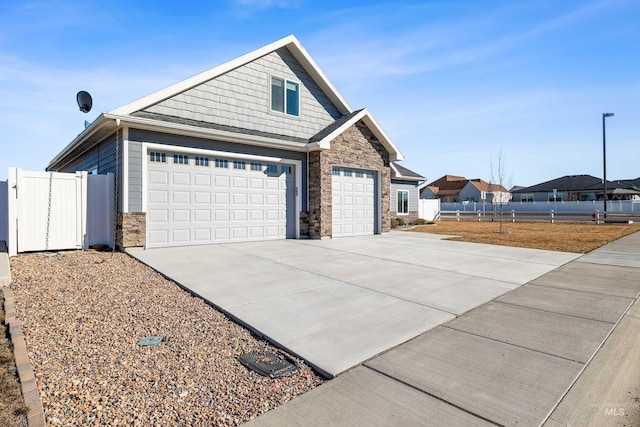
<point>4,220</point>
<point>54,211</point>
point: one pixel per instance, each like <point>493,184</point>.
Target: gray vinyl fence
<point>613,206</point>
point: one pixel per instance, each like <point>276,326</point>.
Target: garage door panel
<point>180,178</point>
<point>181,235</point>
<point>202,234</point>
<point>201,198</point>
<point>180,197</point>
<point>353,196</point>
<point>189,204</point>
<point>158,216</point>
<point>159,177</point>
<point>158,196</point>
<point>201,180</point>
<point>181,215</point>
<point>202,215</point>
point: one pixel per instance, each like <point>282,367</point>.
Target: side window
<point>403,202</point>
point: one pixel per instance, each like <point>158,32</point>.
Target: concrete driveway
<point>336,303</point>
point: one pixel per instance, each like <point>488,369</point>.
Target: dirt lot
<point>564,237</point>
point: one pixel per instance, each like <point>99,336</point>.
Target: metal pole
<point>604,162</point>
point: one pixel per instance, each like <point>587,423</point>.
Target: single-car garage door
<point>353,196</point>
<point>206,199</point>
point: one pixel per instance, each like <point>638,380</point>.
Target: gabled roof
<point>322,140</point>
<point>290,42</point>
<point>565,183</point>
<point>487,187</point>
<point>401,173</point>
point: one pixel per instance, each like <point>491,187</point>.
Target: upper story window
<point>285,96</point>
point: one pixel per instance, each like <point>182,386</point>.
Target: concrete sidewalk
<point>524,358</point>
<point>336,303</point>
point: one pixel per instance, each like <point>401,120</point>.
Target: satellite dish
<point>84,101</point>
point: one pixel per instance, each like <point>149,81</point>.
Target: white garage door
<point>201,200</point>
<point>353,211</point>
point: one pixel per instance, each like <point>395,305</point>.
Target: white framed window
<point>285,96</point>
<point>335,171</point>
<point>180,159</point>
<point>239,164</point>
<point>222,163</point>
<point>202,161</point>
<point>255,166</point>
<point>272,168</point>
<point>526,197</point>
<point>157,157</point>
<point>403,202</point>
<point>359,174</point>
<point>368,174</point>
<point>555,197</point>
<point>347,172</point>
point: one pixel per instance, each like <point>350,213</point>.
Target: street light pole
<point>604,160</point>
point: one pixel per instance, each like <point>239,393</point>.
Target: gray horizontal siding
<point>414,195</point>
<point>137,137</point>
<point>102,155</point>
<point>240,98</point>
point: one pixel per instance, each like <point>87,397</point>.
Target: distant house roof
<point>401,173</point>
<point>451,184</point>
<point>565,183</point>
<point>582,183</point>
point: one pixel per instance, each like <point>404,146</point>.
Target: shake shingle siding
<point>240,98</point>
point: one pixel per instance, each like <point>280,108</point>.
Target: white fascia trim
<point>94,127</point>
<point>325,143</point>
<point>125,169</point>
<point>291,42</point>
<point>196,131</point>
<point>146,146</point>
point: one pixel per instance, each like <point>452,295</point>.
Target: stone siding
<point>409,219</point>
<point>304,225</point>
<point>131,230</point>
<point>355,148</point>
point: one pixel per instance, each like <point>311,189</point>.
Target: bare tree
<point>499,181</point>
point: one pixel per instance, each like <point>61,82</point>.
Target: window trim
<point>284,102</point>
<point>398,202</point>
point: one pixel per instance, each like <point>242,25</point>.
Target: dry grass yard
<point>565,237</point>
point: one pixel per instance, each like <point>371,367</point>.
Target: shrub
<point>400,221</point>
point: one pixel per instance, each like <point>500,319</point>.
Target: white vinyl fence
<point>4,220</point>
<point>429,209</point>
<point>54,211</point>
<point>613,206</point>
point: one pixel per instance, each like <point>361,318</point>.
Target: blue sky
<point>452,83</point>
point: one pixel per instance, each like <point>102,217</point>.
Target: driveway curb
<point>30,393</point>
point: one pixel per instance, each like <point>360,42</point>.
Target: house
<point>581,188</point>
<point>451,188</point>
<point>261,147</point>
<point>405,193</point>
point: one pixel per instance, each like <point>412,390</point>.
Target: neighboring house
<point>261,147</point>
<point>571,188</point>
<point>451,188</point>
<point>405,193</point>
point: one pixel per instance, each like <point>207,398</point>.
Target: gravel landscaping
<point>83,314</point>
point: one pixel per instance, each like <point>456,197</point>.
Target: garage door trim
<point>150,146</point>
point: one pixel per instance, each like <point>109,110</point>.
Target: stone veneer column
<point>131,230</point>
<point>355,148</point>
